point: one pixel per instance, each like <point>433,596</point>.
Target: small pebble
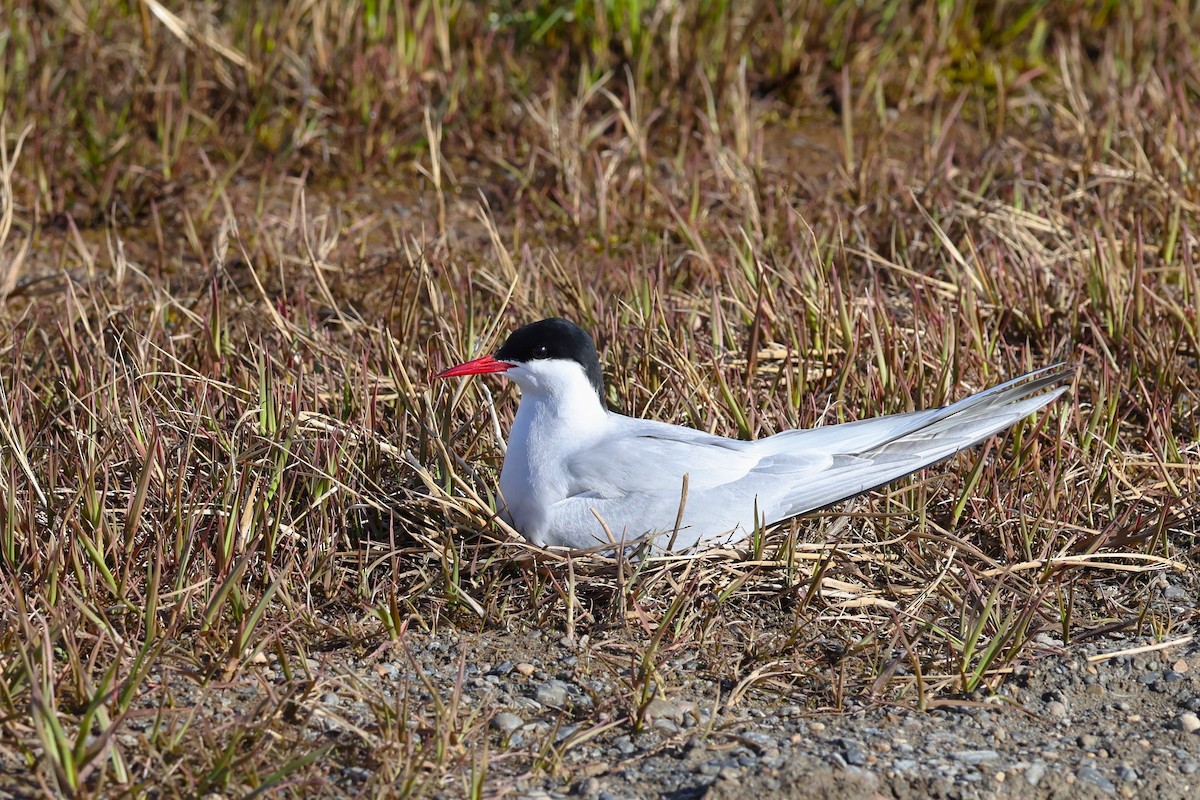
<point>1035,773</point>
<point>357,773</point>
<point>525,704</point>
<point>975,756</point>
<point>758,739</point>
<point>552,693</point>
<point>662,708</point>
<point>665,726</point>
<point>1189,722</point>
<point>1092,775</point>
<point>1056,709</point>
<point>1127,773</point>
<point>506,722</point>
<point>1176,593</point>
<point>524,668</point>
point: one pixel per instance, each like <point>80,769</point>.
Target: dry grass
<point>232,249</point>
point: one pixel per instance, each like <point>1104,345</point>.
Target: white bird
<point>577,475</point>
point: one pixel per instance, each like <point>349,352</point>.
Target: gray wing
<point>652,457</point>
<point>872,452</point>
<point>634,481</point>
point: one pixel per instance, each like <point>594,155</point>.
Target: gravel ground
<point>1124,726</point>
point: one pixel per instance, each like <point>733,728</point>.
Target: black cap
<point>555,338</point>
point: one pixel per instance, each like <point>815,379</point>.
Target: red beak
<point>476,366</point>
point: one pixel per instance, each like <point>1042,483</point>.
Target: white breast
<point>559,416</point>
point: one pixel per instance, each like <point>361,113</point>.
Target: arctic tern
<point>577,475</point>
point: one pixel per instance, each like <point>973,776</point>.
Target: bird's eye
<point>541,351</point>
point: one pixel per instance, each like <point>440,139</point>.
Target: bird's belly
<point>529,519</point>
<point>551,518</point>
<point>587,521</point>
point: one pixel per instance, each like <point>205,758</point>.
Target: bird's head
<point>554,358</point>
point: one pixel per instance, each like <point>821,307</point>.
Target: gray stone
<point>760,740</point>
<point>1174,592</point>
<point>552,693</point>
<point>854,755</point>
<point>665,726</point>
<point>662,708</point>
<point>1092,775</point>
<point>974,756</point>
<point>526,704</point>
<point>590,789</point>
<point>506,722</point>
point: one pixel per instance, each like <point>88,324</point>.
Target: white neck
<point>559,389</point>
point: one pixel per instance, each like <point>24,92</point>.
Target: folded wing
<point>633,480</point>
<point>870,453</point>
